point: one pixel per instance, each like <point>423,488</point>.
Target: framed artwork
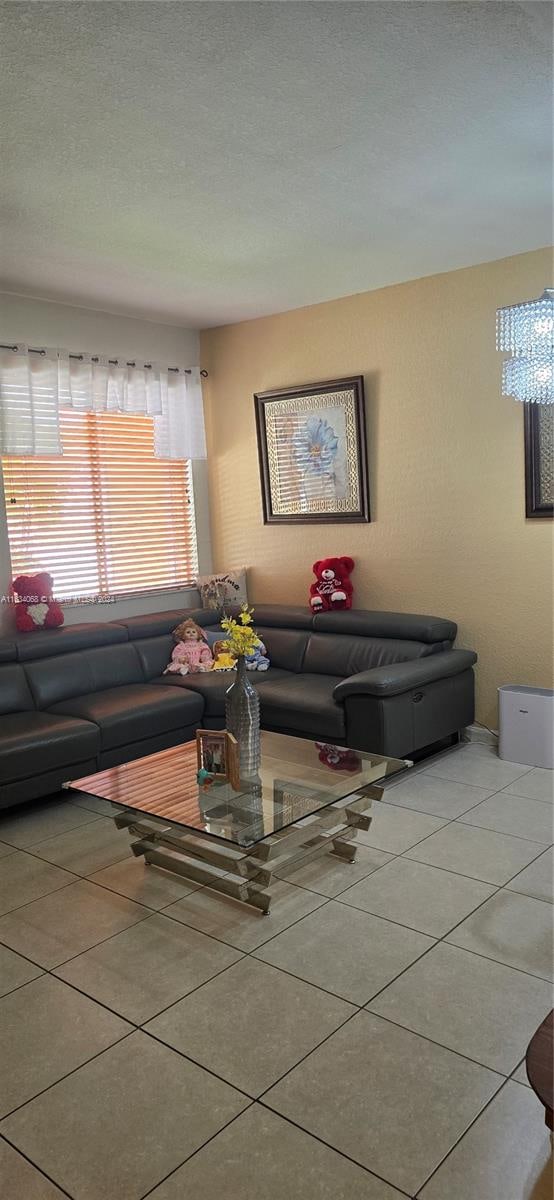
<point>539,460</point>
<point>313,453</point>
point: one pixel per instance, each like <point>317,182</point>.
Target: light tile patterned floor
<point>364,1042</point>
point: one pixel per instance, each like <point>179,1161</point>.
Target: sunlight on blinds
<point>106,517</point>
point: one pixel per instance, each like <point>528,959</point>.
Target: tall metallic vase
<point>242,719</point>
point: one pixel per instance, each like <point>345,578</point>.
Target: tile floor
<point>364,1042</point>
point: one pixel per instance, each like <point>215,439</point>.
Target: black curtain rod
<point>114,362</point>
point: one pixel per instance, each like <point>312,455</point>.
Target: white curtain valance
<point>34,386</point>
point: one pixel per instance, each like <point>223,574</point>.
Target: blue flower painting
<point>315,446</point>
<point>313,456</point>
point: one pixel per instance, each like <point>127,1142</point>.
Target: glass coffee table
<point>309,798</point>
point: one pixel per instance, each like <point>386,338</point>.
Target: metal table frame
<point>246,874</point>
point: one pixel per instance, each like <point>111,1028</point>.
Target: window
<point>105,518</point>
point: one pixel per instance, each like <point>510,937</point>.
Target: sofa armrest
<point>403,676</point>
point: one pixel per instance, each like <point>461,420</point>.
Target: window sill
<point>124,597</point>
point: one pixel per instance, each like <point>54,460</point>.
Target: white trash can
<point>526,725</point>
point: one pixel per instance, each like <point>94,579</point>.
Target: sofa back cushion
<point>361,622</point>
<point>336,654</point>
<point>154,654</point>
<point>44,643</point>
<point>8,650</point>
<point>284,616</point>
<point>147,625</point>
<point>285,647</point>
<point>61,677</point>
<point>119,664</point>
<point>15,695</point>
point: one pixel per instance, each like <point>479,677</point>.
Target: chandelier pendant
<point>526,332</point>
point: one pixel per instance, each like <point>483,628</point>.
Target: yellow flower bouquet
<point>241,636</point>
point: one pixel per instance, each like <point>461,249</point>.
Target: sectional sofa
<point>84,697</point>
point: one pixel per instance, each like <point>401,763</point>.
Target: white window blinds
<point>105,518</point>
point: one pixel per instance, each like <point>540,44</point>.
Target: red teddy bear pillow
<point>36,609</point>
<point>333,588</point>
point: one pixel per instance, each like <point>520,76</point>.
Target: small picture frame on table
<point>218,754</point>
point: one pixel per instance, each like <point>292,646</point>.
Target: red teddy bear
<point>36,608</point>
<point>337,758</point>
<point>333,588</point>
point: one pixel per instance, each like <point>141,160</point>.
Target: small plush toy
<point>36,608</point>
<point>333,588</point>
<point>204,779</point>
<point>338,759</point>
<point>258,660</point>
<point>192,652</point>
<point>223,660</point>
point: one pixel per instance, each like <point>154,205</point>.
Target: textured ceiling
<point>200,163</point>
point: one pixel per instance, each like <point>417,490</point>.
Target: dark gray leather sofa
<point>84,697</point>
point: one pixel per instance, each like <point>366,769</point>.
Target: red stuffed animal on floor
<point>333,588</point>
<point>36,609</point>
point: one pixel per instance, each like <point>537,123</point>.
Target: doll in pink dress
<point>192,652</point>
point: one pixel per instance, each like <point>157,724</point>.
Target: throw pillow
<point>223,588</point>
<point>214,635</point>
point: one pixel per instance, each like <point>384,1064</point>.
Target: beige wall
<point>448,534</point>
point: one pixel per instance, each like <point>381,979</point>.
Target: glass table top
<point>297,778</point>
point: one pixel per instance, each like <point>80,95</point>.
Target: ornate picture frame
<point>313,453</point>
<point>539,460</point>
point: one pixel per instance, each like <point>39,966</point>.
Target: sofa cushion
<point>14,690</point>
<point>414,626</point>
<point>33,743</point>
<point>8,650</point>
<point>129,713</point>
<point>285,647</point>
<point>54,680</point>
<point>346,655</point>
<point>154,654</point>
<point>215,635</point>
<point>283,616</point>
<point>304,703</point>
<point>154,624</point>
<point>212,685</point>
<point>43,643</point>
<point>151,624</point>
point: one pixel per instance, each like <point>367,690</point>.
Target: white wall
<point>44,323</point>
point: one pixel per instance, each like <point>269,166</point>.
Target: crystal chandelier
<point>526,331</point>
